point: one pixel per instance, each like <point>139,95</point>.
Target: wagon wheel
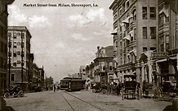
<point>7,95</point>
<point>20,93</point>
<point>94,90</point>
<point>104,91</point>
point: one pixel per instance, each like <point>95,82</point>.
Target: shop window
<point>144,12</point>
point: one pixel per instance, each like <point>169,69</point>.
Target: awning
<point>114,32</point>
<point>121,24</point>
<point>131,33</point>
<point>126,20</point>
<point>162,60</point>
<point>127,37</point>
<point>165,11</point>
<point>134,51</point>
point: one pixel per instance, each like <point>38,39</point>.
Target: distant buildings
<point>22,69</point>
<point>103,64</point>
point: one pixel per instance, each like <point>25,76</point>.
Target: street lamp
<point>22,55</point>
<point>9,55</point>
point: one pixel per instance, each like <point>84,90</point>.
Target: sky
<point>64,38</point>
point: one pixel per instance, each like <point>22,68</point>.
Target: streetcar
<point>72,84</point>
<point>64,83</point>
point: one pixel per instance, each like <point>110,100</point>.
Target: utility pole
<point>9,55</point>
<point>22,55</point>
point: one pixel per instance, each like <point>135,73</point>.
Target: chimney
<point>98,48</point>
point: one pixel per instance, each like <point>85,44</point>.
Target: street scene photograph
<point>88,55</point>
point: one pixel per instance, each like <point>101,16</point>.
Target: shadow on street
<point>169,108</point>
<point>8,108</point>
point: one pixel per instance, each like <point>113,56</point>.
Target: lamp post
<point>9,55</point>
<point>22,55</point>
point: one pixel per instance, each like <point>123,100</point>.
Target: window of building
<point>161,20</point>
<point>144,32</point>
<point>14,36</point>
<point>22,35</point>
<point>144,49</point>
<point>144,12</point>
<point>12,77</point>
<point>167,39</point>
<point>9,34</point>
<point>14,64</point>
<point>153,49</point>
<point>127,4</point>
<point>153,13</point>
<point>15,55</point>
<point>18,52</point>
<point>9,54</point>
<point>153,32</point>
<point>162,47</point>
<point>167,46</point>
<point>18,62</point>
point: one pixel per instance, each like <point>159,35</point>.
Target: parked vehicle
<point>98,87</point>
<point>14,91</point>
<point>130,88</point>
<point>167,87</point>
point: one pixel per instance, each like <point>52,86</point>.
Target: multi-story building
<point>82,72</point>
<point>19,54</point>
<point>3,47</point>
<point>42,76</point>
<point>36,76</point>
<point>166,57</point>
<point>135,26</point>
<point>103,65</point>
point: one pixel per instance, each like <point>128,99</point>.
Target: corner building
<point>135,35</point>
<point>19,54</point>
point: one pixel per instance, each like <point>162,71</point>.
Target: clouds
<point>89,16</point>
<point>19,18</point>
<point>79,36</point>
<point>63,39</point>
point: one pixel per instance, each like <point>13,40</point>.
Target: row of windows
<point>16,53</point>
<point>15,35</point>
<point>15,44</point>
<point>152,13</point>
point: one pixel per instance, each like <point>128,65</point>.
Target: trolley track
<point>96,107</point>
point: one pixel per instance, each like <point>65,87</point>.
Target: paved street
<point>82,101</point>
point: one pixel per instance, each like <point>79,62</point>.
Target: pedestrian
<point>54,87</point>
